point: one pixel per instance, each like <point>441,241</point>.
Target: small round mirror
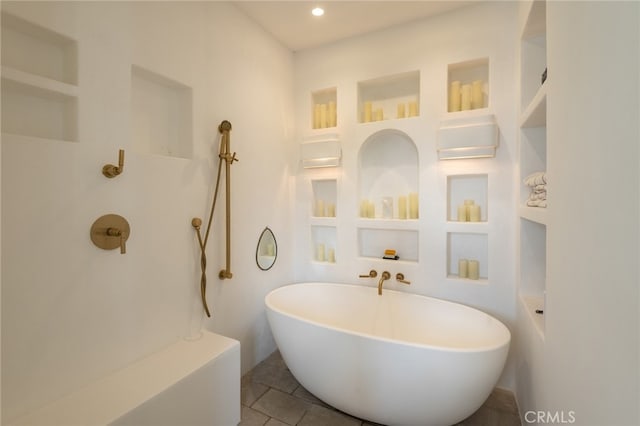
<point>267,250</point>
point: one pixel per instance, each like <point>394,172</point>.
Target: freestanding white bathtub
<point>395,359</point>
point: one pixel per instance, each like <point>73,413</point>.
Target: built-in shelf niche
<point>461,188</point>
<point>533,58</point>
<point>323,203</point>
<point>533,156</point>
<point>324,108</point>
<point>533,270</point>
<point>323,244</point>
<point>468,85</point>
<point>39,77</point>
<point>162,114</point>
<point>390,97</point>
<point>388,170</point>
<point>469,246</point>
<point>373,242</point>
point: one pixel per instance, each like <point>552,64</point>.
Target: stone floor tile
<point>321,416</point>
<point>502,400</point>
<point>273,372</point>
<point>301,392</point>
<point>250,391</point>
<point>282,406</point>
<point>275,422</point>
<point>251,417</point>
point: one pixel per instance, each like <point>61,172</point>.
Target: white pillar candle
<point>379,114</point>
<point>331,256</point>
<point>465,98</point>
<point>371,210</point>
<point>319,208</point>
<point>413,109</point>
<point>316,116</point>
<point>364,208</point>
<point>332,118</point>
<point>474,213</point>
<point>462,213</point>
<point>331,210</point>
<point>368,112</point>
<point>463,268</point>
<point>454,96</point>
<point>413,205</point>
<point>320,253</point>
<point>323,116</point>
<point>473,270</point>
<point>401,112</point>
<point>477,97</point>
<point>402,207</point>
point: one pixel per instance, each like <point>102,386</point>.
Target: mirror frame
<point>265,232</point>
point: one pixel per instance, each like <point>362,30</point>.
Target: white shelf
<point>388,224</point>
<point>480,281</point>
<point>536,20</point>
<point>530,304</point>
<point>39,82</point>
<point>323,221</point>
<point>534,214</point>
<point>468,227</point>
<point>535,115</point>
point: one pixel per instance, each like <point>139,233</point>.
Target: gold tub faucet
<point>385,276</point>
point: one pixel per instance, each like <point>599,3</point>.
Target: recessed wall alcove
<point>388,194</point>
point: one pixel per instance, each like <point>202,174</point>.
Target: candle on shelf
<point>413,205</point>
<point>474,213</point>
<point>465,98</point>
<point>316,116</point>
<point>331,256</point>
<point>331,210</point>
<point>332,118</point>
<point>368,112</point>
<point>364,208</point>
<point>371,210</point>
<point>454,96</point>
<point>413,109</point>
<point>323,116</point>
<point>473,270</point>
<point>463,265</point>
<point>462,213</point>
<point>402,207</point>
<point>379,114</point>
<point>477,97</point>
<point>320,253</point>
<point>319,208</point>
<point>401,112</point>
<point>387,207</point>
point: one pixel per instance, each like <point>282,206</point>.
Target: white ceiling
<point>291,21</point>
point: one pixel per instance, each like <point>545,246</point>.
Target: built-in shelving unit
<point>468,246</point>
<point>161,114</point>
<point>324,108</point>
<point>468,85</point>
<point>533,159</point>
<point>389,97</point>
<point>39,82</point>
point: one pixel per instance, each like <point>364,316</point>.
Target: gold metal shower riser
<point>225,147</point>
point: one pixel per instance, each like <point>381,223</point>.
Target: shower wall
<point>154,79</point>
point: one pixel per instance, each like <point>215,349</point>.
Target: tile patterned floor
<point>271,396</point>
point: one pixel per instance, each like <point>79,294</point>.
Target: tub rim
<point>485,348</point>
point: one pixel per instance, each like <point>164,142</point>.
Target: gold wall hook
<point>111,231</point>
<point>111,171</point>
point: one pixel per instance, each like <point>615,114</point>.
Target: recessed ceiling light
<point>317,11</point>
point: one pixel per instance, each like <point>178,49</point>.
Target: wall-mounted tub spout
<point>224,154</point>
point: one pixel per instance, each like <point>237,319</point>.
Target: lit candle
<point>454,96</point>
<point>401,113</point>
<point>320,253</point>
<point>332,118</point>
<point>402,207</point>
<point>323,116</point>
<point>473,270</point>
<point>462,213</point>
<point>331,210</point>
<point>462,268</point>
<point>413,109</point>
<point>474,213</point>
<point>465,98</point>
<point>477,97</point>
<point>331,256</point>
<point>368,112</point>
<point>413,205</point>
<point>319,208</point>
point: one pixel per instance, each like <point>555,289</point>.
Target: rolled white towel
<point>537,203</point>
<point>537,178</point>
<point>538,196</point>
<point>540,188</point>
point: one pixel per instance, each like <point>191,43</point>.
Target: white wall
<point>592,325</point>
<point>487,30</point>
<point>72,312</point>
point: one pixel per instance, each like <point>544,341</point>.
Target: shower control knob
<point>372,274</point>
